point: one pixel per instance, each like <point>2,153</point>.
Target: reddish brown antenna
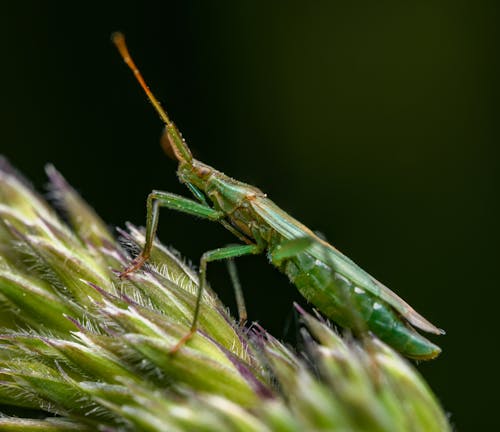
<point>119,40</point>
<point>174,138</point>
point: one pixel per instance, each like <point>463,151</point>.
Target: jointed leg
<point>238,291</point>
<point>213,255</point>
<point>157,199</point>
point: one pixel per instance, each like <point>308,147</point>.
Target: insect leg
<point>224,253</point>
<point>157,199</point>
<point>238,291</point>
<point>198,194</point>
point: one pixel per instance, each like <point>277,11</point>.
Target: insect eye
<point>203,171</point>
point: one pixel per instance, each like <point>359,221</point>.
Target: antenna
<point>179,146</point>
<point>119,40</point>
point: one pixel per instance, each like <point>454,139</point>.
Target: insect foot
<point>136,264</point>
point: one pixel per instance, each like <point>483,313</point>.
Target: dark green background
<point>372,122</point>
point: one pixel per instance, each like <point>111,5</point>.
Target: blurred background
<point>374,123</point>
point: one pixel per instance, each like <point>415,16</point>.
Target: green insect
<point>338,287</point>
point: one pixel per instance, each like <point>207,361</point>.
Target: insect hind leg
<point>238,291</point>
<point>225,253</point>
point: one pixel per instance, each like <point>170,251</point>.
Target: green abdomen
<point>354,307</point>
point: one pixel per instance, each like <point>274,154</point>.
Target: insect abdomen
<point>353,307</point>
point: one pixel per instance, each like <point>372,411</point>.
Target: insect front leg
<point>157,199</point>
<point>224,253</point>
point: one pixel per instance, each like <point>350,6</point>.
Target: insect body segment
<point>336,285</point>
<point>345,303</point>
<point>339,288</point>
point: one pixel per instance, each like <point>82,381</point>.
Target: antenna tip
<point>117,38</point>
